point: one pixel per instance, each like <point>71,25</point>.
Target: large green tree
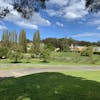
<point>23,41</point>
<point>9,38</point>
<point>13,37</point>
<point>3,52</point>
<point>36,42</point>
<point>64,45</point>
<point>5,38</point>
<point>15,53</point>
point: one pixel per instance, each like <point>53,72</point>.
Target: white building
<point>96,49</point>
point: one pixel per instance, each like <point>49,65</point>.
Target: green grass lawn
<point>74,58</point>
<point>56,58</point>
<point>73,85</point>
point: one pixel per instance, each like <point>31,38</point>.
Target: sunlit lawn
<point>56,59</point>
<point>73,85</point>
<point>61,58</point>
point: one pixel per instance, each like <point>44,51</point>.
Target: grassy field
<point>56,59</point>
<point>61,58</point>
<point>73,85</point>
<point>75,58</point>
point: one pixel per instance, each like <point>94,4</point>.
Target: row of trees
<point>12,45</point>
<point>15,46</point>
<point>65,43</point>
<point>53,43</point>
<point>11,39</point>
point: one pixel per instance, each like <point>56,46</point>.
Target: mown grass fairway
<point>73,85</point>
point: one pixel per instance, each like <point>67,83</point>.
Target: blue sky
<point>62,18</point>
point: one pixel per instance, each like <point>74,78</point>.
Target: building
<point>77,48</point>
<point>96,49</point>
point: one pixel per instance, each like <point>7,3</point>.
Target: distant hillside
<point>57,42</point>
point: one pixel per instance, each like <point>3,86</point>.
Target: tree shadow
<point>44,62</point>
<point>14,62</point>
<point>4,78</point>
<point>49,86</point>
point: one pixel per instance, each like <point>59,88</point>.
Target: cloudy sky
<point>62,18</point>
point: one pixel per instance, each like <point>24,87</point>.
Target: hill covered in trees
<point>59,43</point>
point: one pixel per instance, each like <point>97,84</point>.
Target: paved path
<point>27,71</point>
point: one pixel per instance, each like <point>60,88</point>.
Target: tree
<point>64,45</point>
<point>24,7</point>
<point>3,52</point>
<point>15,53</point>
<point>27,7</point>
<point>45,54</point>
<point>87,52</point>
<point>93,5</point>
<point>53,43</point>
<point>36,43</point>
<point>9,38</point>
<point>13,37</point>
<point>23,41</point>
<point>5,38</point>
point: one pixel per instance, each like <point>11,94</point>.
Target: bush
<point>45,54</point>
<point>87,52</point>
<point>50,47</point>
<point>15,53</point>
<point>98,53</point>
<point>3,52</point>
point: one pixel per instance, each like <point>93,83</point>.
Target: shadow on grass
<point>4,78</point>
<point>44,62</point>
<point>14,62</point>
<point>49,86</point>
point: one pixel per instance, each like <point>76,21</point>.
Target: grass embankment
<point>79,85</point>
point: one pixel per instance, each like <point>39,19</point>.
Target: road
<point>26,71</point>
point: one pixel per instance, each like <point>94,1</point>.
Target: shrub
<point>87,52</point>
<point>45,54</point>
<point>3,52</point>
<point>15,53</point>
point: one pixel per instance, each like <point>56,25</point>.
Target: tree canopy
<point>93,5</point>
<point>27,7</point>
<point>24,7</point>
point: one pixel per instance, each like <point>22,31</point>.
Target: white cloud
<point>93,35</point>
<point>59,2</point>
<point>37,19</point>
<point>27,25</point>
<point>16,18</point>
<point>97,14</point>
<point>71,9</point>
<point>95,22</point>
<point>52,12</point>
<point>59,24</point>
<point>2,27</point>
<point>31,23</point>
<point>6,3</point>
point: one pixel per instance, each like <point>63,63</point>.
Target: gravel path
<point>27,71</point>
